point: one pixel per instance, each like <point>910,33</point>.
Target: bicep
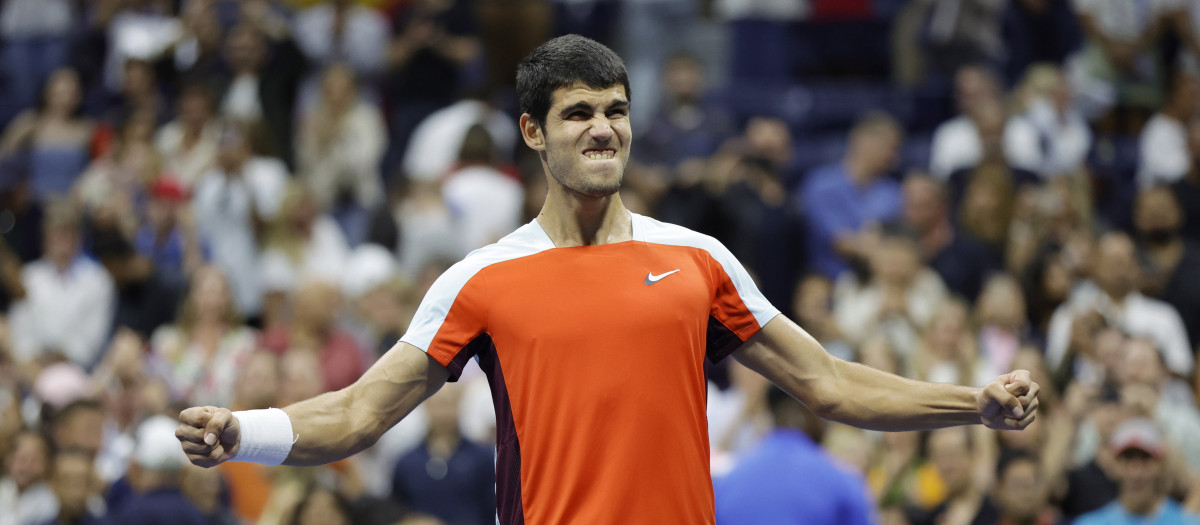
<point>399,381</point>
<point>791,358</point>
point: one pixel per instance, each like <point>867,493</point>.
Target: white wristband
<point>266,436</point>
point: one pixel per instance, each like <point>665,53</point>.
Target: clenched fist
<point>1009,402</point>
<point>209,435</point>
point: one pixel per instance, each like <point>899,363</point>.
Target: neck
<point>573,219</point>
<point>1139,503</point>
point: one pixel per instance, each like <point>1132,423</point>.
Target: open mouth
<point>600,154</point>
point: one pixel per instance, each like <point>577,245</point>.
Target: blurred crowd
<point>241,202</point>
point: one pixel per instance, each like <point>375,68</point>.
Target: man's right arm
<point>331,426</point>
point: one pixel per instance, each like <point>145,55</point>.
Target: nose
<point>601,129</point>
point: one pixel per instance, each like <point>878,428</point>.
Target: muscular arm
<point>861,396</point>
<point>330,426</point>
<point>340,424</point>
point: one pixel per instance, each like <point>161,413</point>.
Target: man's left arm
<point>864,397</point>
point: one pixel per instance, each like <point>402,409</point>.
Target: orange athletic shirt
<point>595,356</point>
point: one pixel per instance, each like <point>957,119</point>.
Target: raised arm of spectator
<point>328,427</point>
<point>861,396</point>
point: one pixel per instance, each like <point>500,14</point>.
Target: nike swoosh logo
<point>651,278</point>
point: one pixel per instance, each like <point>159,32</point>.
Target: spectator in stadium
<point>1117,73</point>
<point>788,478</point>
<point>262,82</point>
<point>980,128</point>
<point>1142,477</point>
<point>994,159</point>
<point>188,144</point>
<point>156,476</point>
<point>77,488</point>
<point>341,143</point>
<point>437,141</point>
<point>343,31</point>
<point>167,235</point>
<point>686,124</point>
<point>1163,155</point>
<point>140,93</point>
<point>1001,321</point>
<point>1145,381</point>
<point>377,297</point>
<point>1112,293</point>
<point>840,200</point>
<point>486,201</point>
<point>146,297</point>
<point>50,143</point>
<point>447,475</point>
<point>117,180</point>
<point>1172,264</point>
<point>433,43</point>
<point>962,262</point>
<point>25,497</point>
<point>1064,138</point>
<point>304,239</point>
<point>1019,495</point>
<point>900,296</point>
<point>1092,483</point>
<point>68,303</point>
<point>201,353</point>
<point>74,427</point>
<point>314,327</point>
<point>953,454</point>
<point>37,40</point>
<point>1187,189</point>
<point>947,351</point>
<point>231,201</point>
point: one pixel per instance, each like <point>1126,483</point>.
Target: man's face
<point>1019,492</point>
<point>585,140</point>
<point>1116,265</point>
<point>73,482</point>
<point>923,207</point>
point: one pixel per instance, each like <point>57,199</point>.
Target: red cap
<point>169,189</point>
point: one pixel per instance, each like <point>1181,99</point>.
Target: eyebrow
<point>584,106</point>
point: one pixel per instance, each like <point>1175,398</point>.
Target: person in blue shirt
<point>790,479</point>
<point>840,200</point>
<point>1142,477</point>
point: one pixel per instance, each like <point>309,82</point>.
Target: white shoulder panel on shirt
<point>526,240</point>
<point>653,231</point>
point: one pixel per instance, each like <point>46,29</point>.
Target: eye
<point>579,115</point>
<point>617,113</point>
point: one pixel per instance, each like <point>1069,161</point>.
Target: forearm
<point>853,393</point>
<point>339,424</point>
<point>868,398</point>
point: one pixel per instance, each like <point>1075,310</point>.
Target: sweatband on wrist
<point>266,436</point>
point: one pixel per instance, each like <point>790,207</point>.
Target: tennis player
<point>593,324</point>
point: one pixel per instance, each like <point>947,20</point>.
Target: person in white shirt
<point>435,142</point>
<point>1163,156</point>
<point>956,142</point>
<point>25,497</point>
<point>1063,136</point>
<point>1117,66</point>
<point>341,142</point>
<point>1112,293</point>
<point>485,201</point>
<point>240,191</point>
<point>188,144</point>
<point>69,299</point>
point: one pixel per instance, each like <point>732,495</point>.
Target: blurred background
<point>241,202</point>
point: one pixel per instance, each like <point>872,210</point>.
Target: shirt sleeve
<point>451,317</point>
<point>739,310</point>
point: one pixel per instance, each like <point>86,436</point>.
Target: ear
<point>531,131</point>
